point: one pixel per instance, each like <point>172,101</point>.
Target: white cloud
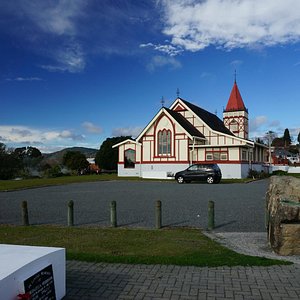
<point>162,61</point>
<point>51,29</point>
<point>24,79</point>
<point>56,17</point>
<point>258,122</point>
<point>17,134</point>
<point>69,58</point>
<point>261,124</point>
<point>91,128</point>
<point>195,25</point>
<point>127,131</point>
<point>166,49</point>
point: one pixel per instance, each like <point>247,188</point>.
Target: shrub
<point>279,173</point>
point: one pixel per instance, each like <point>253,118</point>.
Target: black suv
<point>210,173</point>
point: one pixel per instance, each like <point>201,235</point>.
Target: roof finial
<point>235,76</point>
<point>177,92</point>
<point>162,101</point>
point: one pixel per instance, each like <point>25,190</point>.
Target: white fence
<point>288,169</point>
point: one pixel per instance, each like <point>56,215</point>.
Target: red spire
<point>235,101</point>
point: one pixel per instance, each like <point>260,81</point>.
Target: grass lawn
<point>177,246</point>
<point>10,185</point>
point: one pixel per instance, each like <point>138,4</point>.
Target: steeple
<point>235,101</point>
<point>235,115</point>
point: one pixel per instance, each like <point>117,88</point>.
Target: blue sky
<point>76,72</point>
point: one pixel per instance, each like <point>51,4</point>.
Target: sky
<point>76,72</point>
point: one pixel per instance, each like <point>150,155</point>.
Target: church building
<point>184,134</point>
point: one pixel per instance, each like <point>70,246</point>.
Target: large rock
<point>283,215</point>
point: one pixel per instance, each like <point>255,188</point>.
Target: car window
<point>193,168</point>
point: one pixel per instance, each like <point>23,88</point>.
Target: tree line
<point>29,162</point>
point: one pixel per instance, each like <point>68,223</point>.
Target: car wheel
<point>180,179</point>
<point>210,179</point>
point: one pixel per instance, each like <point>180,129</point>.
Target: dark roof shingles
<point>193,131</point>
<point>210,119</point>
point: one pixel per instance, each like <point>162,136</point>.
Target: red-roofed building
<point>184,134</point>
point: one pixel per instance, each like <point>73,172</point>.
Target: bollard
<point>71,213</point>
<point>158,214</point>
<point>211,215</point>
<point>25,219</point>
<point>113,214</point>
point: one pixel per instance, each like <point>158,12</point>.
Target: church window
<point>129,158</point>
<point>233,126</point>
<point>209,156</point>
<point>217,154</point>
<point>244,155</point>
<point>164,142</point>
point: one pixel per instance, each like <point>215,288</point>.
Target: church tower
<point>235,116</point>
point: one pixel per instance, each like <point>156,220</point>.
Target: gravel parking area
<point>238,207</point>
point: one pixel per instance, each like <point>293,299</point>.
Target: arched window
<point>233,126</point>
<point>129,158</point>
<point>164,142</point>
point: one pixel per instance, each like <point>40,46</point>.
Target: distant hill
<point>57,157</point>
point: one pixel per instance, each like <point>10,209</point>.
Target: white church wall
<point>129,172</point>
<point>230,171</point>
<point>162,171</point>
<point>147,150</point>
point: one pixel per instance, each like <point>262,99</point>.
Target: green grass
<point>180,246</point>
<point>10,185</point>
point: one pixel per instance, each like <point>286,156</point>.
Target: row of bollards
<point>113,214</point>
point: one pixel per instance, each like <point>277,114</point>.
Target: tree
<point>107,157</point>
<point>298,138</point>
<point>33,152</point>
<point>287,138</point>
<point>278,143</point>
<point>10,164</point>
<point>269,137</point>
<point>75,160</point>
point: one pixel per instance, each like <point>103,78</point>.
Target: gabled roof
<point>235,101</point>
<point>186,125</point>
<point>131,141</point>
<point>210,119</point>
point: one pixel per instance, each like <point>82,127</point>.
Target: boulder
<point>283,215</point>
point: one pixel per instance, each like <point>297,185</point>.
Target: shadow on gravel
<point>175,224</point>
<point>225,224</point>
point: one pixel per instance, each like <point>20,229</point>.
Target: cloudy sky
<point>76,72</point>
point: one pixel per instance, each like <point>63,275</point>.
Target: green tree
<point>287,138</point>
<point>10,164</point>
<point>33,152</point>
<point>75,160</point>
<point>298,138</point>
<point>107,157</point>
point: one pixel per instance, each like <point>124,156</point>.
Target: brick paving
<point>91,281</point>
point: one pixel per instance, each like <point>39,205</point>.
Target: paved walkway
<point>93,281</point>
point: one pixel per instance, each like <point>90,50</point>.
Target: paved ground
<point>240,226</point>
<point>93,281</point>
<point>182,205</point>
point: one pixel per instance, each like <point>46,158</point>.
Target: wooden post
<point>71,213</point>
<point>211,215</point>
<point>113,214</point>
<point>25,219</point>
<point>158,214</point>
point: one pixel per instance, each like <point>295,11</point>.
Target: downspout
<point>193,148</point>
